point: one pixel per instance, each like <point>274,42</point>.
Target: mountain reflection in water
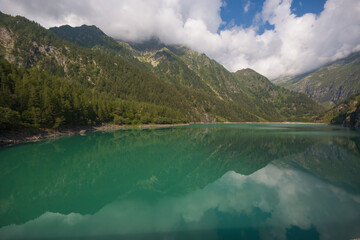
<point>254,181</point>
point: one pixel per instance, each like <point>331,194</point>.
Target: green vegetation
<point>259,98</point>
<point>93,37</point>
<point>290,105</point>
<point>35,98</point>
<point>87,77</point>
<point>87,36</point>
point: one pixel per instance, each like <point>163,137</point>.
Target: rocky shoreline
<point>33,135</point>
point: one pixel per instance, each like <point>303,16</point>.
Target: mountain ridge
<point>329,84</point>
<point>216,79</point>
<point>127,88</point>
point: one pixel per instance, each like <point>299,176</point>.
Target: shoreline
<point>308,123</point>
<point>34,135</point>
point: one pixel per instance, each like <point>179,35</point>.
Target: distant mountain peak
<point>149,45</point>
<point>247,72</point>
<point>329,84</point>
<point>84,35</point>
<point>78,28</point>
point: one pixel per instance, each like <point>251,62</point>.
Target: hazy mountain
<point>329,84</point>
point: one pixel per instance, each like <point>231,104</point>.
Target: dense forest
<point>81,77</point>
<point>34,98</point>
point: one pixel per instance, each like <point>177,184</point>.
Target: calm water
<point>224,181</point>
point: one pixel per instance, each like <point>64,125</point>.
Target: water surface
<point>220,181</point>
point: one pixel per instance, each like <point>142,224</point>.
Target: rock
<point>352,119</point>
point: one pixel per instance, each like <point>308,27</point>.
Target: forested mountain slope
<point>182,65</point>
<point>96,79</point>
<point>87,36</point>
<point>329,84</point>
<point>93,37</point>
<point>269,95</point>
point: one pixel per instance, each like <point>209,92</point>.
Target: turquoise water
<point>219,181</point>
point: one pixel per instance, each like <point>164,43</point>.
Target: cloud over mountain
<point>295,45</point>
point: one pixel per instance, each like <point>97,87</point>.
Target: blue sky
<point>243,12</point>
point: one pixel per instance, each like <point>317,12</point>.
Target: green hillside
<point>93,37</point>
<point>182,65</point>
<point>87,36</point>
<point>267,95</point>
<point>81,76</point>
<point>331,83</point>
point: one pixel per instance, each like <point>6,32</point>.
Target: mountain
<point>329,84</point>
<point>268,94</point>
<point>71,76</point>
<point>91,86</point>
<point>347,113</point>
<point>87,36</point>
<point>182,65</point>
<point>93,37</point>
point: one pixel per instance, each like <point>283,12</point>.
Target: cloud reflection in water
<point>271,201</point>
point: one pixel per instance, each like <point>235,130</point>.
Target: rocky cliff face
<point>346,113</point>
<point>352,119</point>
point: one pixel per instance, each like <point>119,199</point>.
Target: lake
<point>202,181</point>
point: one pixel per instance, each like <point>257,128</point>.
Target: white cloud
<point>295,45</point>
<point>247,6</point>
